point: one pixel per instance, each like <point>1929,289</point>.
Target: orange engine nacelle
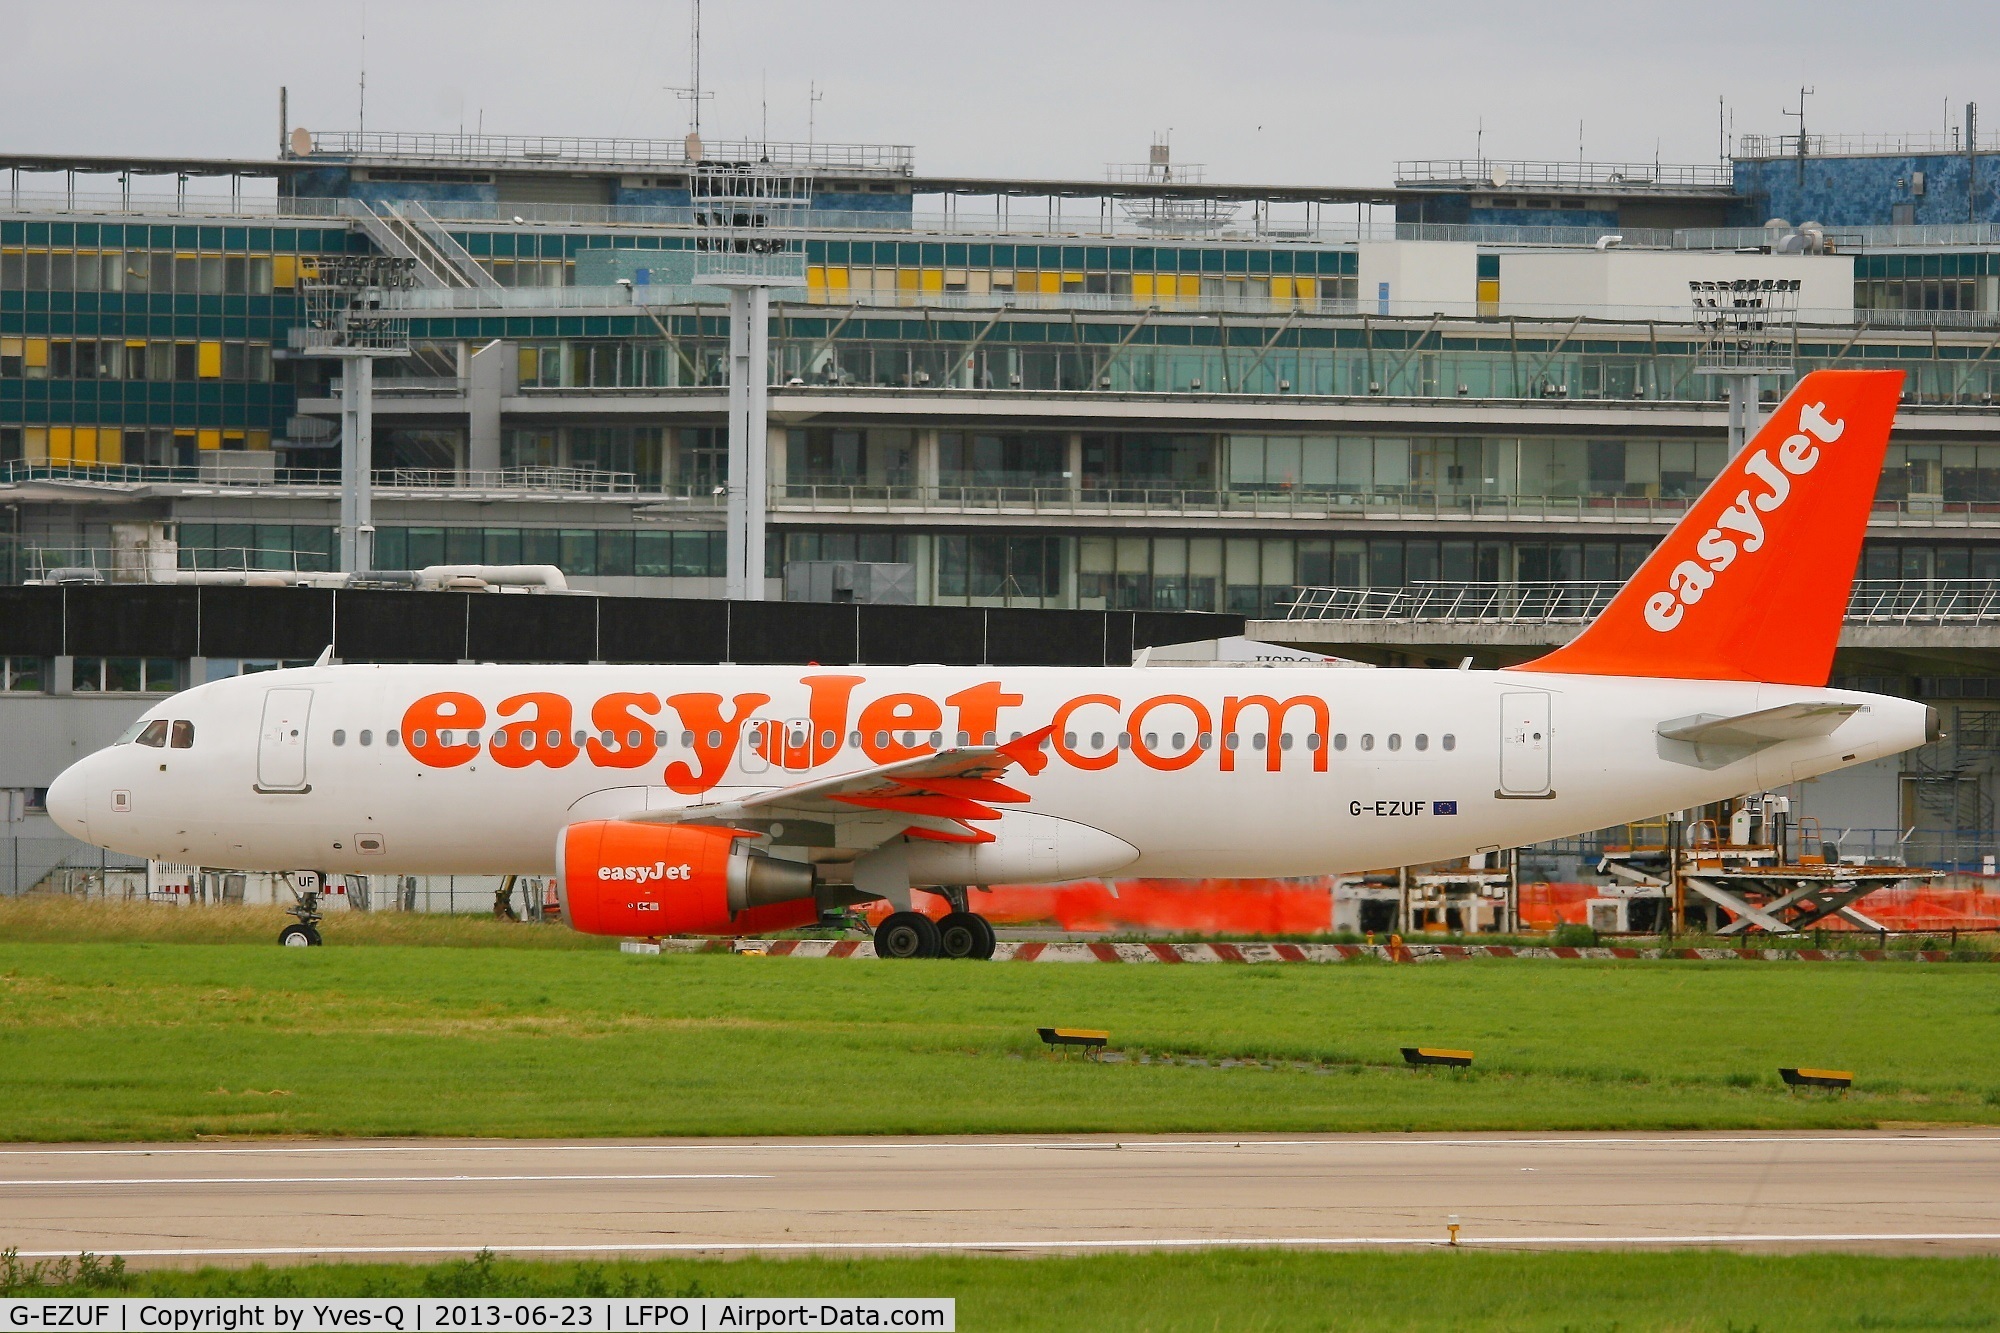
<point>620,878</point>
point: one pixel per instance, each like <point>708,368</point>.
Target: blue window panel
<point>981,256</point>
<point>260,238</point>
<point>86,233</point>
<point>863,252</point>
<point>932,255</point>
<point>62,233</point>
<point>1235,261</point>
<point>211,237</point>
<point>1003,256</point>
<point>235,238</point>
<point>955,256</point>
<point>1260,261</point>
<point>1211,260</point>
<point>12,233</point>
<point>38,233</point>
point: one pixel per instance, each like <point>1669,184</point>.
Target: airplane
<point>739,799</point>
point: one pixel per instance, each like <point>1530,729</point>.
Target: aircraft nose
<point>68,803</point>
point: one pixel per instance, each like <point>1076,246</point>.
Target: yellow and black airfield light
<point>1817,1078</point>
<point>1436,1055</point>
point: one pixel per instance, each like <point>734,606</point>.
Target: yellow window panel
<point>83,445</point>
<point>907,279</point>
<point>35,445</point>
<point>208,439</point>
<point>1281,289</point>
<point>208,361</point>
<point>815,277</point>
<point>527,363</point>
<point>61,441</point>
<point>110,445</point>
<point>284,270</point>
<point>836,279</point>
<point>1306,288</point>
<point>1052,282</point>
<point>1190,284</point>
<point>1142,285</point>
<point>933,279</point>
<point>38,353</point>
<point>261,440</point>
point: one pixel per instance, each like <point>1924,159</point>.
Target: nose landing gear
<point>303,933</point>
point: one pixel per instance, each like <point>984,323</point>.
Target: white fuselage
<point>1530,756</point>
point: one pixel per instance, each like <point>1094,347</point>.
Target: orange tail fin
<point>1753,583</point>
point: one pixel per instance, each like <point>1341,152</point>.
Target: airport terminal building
<point>1317,409</point>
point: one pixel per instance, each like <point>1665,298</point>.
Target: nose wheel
<point>303,933</point>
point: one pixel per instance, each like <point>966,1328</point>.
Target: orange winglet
<point>976,789</point>
<point>971,835</point>
<point>1027,752</point>
<point>920,803</point>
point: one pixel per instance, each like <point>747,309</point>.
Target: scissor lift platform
<point>1759,891</point>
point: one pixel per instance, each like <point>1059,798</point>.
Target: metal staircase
<point>408,231</point>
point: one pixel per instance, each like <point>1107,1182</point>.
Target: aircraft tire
<point>298,936</point>
<point>963,934</point>
<point>907,935</point>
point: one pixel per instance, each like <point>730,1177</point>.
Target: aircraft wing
<point>1767,726</point>
<point>937,796</point>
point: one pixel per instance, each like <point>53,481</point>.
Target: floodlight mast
<point>739,205</point>
<point>1749,328</point>
<point>351,316</point>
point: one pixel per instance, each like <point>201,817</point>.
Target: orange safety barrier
<point>1304,906</point>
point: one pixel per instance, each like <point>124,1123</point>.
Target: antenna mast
<point>692,93</point>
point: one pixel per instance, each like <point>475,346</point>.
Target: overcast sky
<point>1284,91</point>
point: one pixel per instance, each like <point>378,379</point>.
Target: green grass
<point>1254,1290</point>
<point>164,1041</point>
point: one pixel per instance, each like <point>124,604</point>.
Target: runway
<point>238,1203</point>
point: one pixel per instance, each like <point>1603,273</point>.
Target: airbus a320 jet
<point>744,799</point>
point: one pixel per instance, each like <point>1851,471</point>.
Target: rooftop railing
<point>1872,602</point>
<point>1857,145</point>
<point>1513,174</point>
<point>898,159</point>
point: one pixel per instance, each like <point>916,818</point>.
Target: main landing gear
<point>961,933</point>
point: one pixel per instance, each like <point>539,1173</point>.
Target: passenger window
<point>183,735</point>
<point>392,737</point>
<point>1423,741</point>
<point>1367,741</point>
<point>1340,740</point>
<point>1395,741</point>
<point>1450,741</point>
<point>367,738</point>
<point>1312,741</point>
<point>339,737</point>
<point>155,733</point>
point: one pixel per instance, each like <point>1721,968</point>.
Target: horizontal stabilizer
<point>1767,726</point>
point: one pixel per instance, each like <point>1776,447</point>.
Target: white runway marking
<point>364,1180</point>
<point>1668,1139</point>
<point>1164,1243</point>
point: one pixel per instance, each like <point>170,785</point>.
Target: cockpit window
<point>183,736</point>
<point>155,733</point>
<point>131,733</point>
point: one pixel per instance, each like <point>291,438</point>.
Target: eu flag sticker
<point>1444,807</point>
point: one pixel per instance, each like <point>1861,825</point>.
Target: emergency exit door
<point>1524,744</point>
<point>281,742</point>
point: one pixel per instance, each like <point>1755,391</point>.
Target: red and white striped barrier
<point>1090,951</point>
